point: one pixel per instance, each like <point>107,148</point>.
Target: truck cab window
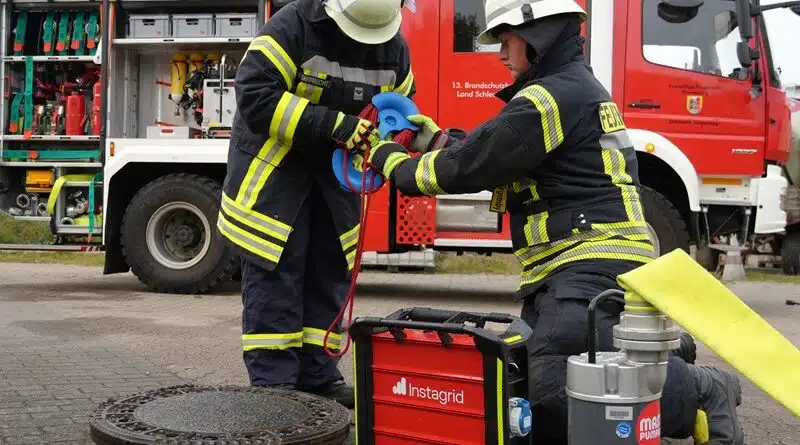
<point>701,39</point>
<point>468,22</point>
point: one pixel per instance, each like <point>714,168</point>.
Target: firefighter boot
<point>687,351</point>
<point>338,391</point>
<point>719,393</point>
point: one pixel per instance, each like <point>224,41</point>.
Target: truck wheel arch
<point>648,143</point>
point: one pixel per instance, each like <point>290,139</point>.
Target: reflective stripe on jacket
<point>558,159</point>
<point>296,75</point>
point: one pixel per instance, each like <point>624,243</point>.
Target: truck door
<point>681,69</point>
<point>469,74</point>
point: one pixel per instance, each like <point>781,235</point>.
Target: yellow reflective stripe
<point>308,90</point>
<point>615,167</point>
<point>502,406</point>
<point>277,55</point>
<point>286,116</point>
<point>536,229</point>
<point>608,249</point>
<point>284,122</point>
<point>392,161</point>
<point>255,220</point>
<point>314,336</point>
<point>599,232</point>
<point>272,341</point>
<point>426,174</point>
<point>355,390</point>
<point>262,166</point>
<point>551,117</point>
<point>405,86</point>
<point>247,240</point>
<point>350,238</point>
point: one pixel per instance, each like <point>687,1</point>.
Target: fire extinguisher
<point>75,114</point>
<point>96,108</point>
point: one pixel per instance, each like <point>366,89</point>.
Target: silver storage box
<point>466,213</point>
<point>219,104</point>
<point>148,26</point>
<point>236,25</point>
<point>192,25</point>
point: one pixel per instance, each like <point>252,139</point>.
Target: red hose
<point>405,137</point>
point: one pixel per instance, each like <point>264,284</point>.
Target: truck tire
<point>169,238</point>
<point>667,228</point>
<point>790,253</point>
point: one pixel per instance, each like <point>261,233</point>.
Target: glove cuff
<point>387,156</point>
<point>344,127</point>
<point>439,141</point>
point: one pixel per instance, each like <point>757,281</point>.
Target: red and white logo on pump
<point>648,425</point>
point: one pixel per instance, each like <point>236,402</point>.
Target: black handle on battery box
<point>425,314</point>
<point>453,328</point>
<point>614,295</point>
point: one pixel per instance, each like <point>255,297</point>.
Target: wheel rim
<point>654,239</point>
<point>178,235</point>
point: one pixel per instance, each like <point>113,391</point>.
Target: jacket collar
<point>568,51</point>
<point>313,10</point>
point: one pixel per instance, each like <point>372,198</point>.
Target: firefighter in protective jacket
<point>559,160</point>
<point>312,68</point>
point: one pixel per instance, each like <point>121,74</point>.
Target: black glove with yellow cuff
<point>385,156</point>
<point>356,134</point>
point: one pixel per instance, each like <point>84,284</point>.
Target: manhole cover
<point>224,415</point>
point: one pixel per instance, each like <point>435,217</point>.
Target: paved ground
<point>70,338</point>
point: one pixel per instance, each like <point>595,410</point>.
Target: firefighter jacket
<point>295,77</point>
<point>558,159</point>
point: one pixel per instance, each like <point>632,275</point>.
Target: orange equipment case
<point>427,376</point>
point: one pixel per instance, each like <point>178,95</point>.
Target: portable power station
<point>428,376</point>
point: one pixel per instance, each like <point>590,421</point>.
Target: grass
<point>14,231</point>
<point>497,264</point>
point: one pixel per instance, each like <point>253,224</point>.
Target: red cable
<point>404,138</point>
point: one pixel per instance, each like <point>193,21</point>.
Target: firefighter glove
<point>386,156</point>
<point>429,137</point>
<point>356,134</point>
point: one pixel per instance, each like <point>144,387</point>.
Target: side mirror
<point>744,17</point>
<point>744,54</point>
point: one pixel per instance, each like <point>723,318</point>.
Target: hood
<point>542,35</point>
<point>552,42</point>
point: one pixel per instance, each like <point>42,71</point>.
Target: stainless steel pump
<point>614,397</point>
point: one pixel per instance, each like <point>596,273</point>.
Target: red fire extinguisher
<point>75,114</point>
<point>96,108</point>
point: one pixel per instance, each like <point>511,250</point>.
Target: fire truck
<point>117,115</point>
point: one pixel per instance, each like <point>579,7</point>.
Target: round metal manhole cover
<point>225,415</point>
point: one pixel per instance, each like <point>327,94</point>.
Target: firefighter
<point>559,160</point>
<point>300,87</point>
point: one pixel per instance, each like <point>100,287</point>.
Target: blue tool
<point>393,108</point>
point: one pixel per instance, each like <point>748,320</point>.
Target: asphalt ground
<point>70,338</point>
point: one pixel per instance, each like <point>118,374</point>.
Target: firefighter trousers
<point>287,311</point>
<point>557,314</point>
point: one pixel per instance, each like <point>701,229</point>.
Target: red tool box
<point>427,376</point>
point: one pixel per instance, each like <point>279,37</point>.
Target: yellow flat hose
<point>51,201</point>
<point>683,290</point>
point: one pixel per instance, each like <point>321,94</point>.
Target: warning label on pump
<point>477,89</point>
<point>648,424</point>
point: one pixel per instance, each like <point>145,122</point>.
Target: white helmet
<point>517,12</point>
<point>367,21</point>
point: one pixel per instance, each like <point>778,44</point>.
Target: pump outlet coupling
<point>614,396</point>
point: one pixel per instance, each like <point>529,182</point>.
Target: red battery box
<point>428,376</point>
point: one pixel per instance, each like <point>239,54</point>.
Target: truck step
<point>53,247</point>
